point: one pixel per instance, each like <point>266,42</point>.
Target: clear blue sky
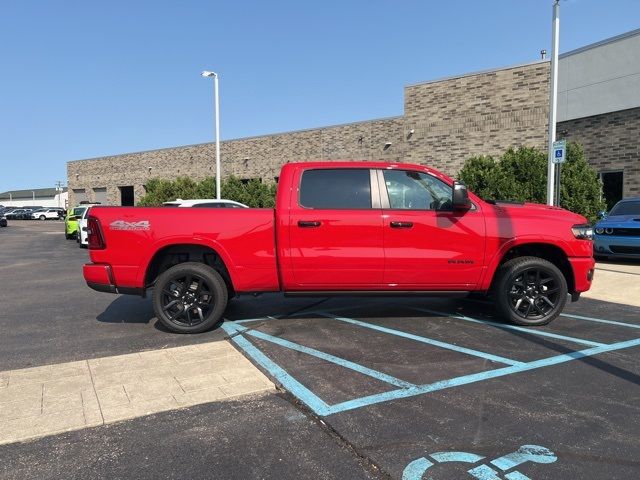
<point>81,79</point>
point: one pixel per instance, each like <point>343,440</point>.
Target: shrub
<point>253,193</point>
<point>521,175</point>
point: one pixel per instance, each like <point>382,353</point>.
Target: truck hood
<point>526,209</point>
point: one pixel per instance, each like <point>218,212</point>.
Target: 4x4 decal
<point>122,225</point>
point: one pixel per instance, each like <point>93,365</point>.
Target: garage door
<point>100,195</point>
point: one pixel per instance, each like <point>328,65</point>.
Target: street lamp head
<point>207,73</point>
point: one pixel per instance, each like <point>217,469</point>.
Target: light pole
<point>217,110</point>
<point>33,195</point>
<point>553,100</point>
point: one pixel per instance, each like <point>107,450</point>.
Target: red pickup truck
<point>352,228</point>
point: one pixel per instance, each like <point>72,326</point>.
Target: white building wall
<point>600,78</point>
<point>59,200</point>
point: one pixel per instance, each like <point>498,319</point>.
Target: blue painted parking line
<point>505,326</point>
<point>305,395</point>
<point>406,389</point>
<point>430,341</point>
<point>328,357</point>
<point>477,377</point>
<point>260,319</point>
<point>600,320</point>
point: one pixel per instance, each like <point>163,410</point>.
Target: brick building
<point>444,122</point>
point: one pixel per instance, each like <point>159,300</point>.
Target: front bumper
<point>619,246</point>
<point>583,270</point>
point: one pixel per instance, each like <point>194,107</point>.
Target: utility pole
<point>59,190</point>
<point>553,100</point>
<point>216,107</point>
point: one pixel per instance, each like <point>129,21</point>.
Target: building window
<point>126,196</point>
<point>612,187</point>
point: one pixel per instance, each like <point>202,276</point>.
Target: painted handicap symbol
<point>526,453</point>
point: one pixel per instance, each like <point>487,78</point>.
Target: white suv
<point>83,236</point>
<point>205,203</point>
<point>47,214</point>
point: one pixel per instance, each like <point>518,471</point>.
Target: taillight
<point>94,234</point>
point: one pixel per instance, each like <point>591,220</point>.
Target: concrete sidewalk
<point>616,283</point>
<point>50,399</point>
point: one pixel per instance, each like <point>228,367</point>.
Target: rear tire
<point>190,298</point>
<point>530,291</point>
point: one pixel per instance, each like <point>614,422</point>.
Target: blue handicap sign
<point>526,453</point>
<point>559,153</point>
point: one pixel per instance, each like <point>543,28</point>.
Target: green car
<point>71,222</point>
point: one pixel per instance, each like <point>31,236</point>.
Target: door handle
<point>308,223</point>
<point>401,224</point>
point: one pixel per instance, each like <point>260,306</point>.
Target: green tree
<point>521,174</point>
<point>480,172</point>
<point>580,187</point>
<point>253,193</point>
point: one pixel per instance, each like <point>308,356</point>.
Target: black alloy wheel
<point>530,291</point>
<point>190,297</point>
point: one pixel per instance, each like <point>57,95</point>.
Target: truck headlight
<point>599,230</point>
<point>582,232</point>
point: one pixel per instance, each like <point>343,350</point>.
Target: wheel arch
<point>167,256</point>
<point>551,252</point>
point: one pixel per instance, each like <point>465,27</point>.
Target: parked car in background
<point>47,214</point>
<point>81,237</point>
<point>618,234</point>
<point>71,222</point>
<point>72,219</point>
<point>16,214</point>
<point>205,203</point>
<point>26,215</point>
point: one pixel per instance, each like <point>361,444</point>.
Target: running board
<point>378,293</point>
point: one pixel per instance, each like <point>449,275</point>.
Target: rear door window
<point>336,189</point>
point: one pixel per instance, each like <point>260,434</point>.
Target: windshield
<point>77,212</point>
<point>626,208</point>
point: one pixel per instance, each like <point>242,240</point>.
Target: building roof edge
<point>600,43</point>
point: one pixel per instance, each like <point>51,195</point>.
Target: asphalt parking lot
<point>369,388</point>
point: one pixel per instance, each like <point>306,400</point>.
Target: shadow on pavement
<point>128,309</point>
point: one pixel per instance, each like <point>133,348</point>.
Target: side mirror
<point>460,198</point>
<point>602,215</point>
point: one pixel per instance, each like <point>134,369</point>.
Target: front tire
<point>42,217</point>
<point>530,291</point>
<point>190,298</point>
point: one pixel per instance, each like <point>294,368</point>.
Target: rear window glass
<point>336,189</point>
<point>626,208</point>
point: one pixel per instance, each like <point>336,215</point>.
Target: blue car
<point>618,234</point>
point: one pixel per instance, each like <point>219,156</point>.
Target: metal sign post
<point>553,95</point>
<point>559,157</point>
